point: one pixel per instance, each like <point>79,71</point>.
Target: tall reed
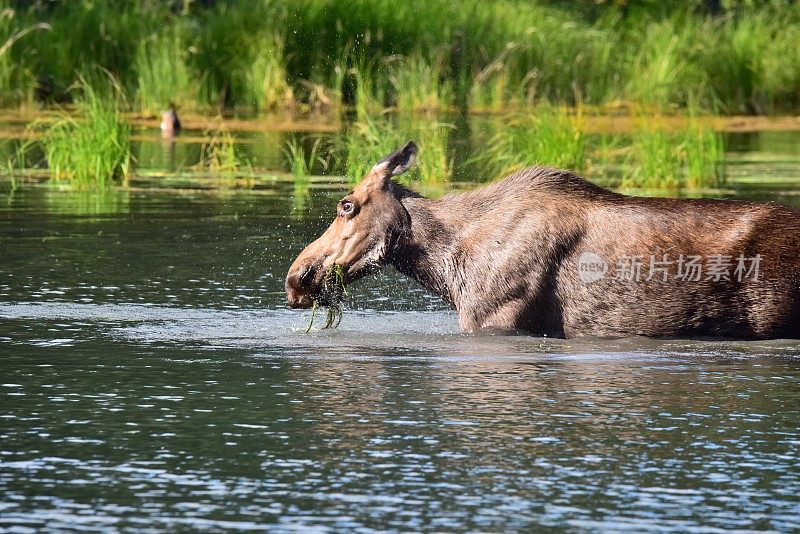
<point>301,161</point>
<point>367,142</point>
<point>492,55</point>
<point>421,84</point>
<point>692,157</point>
<point>17,84</point>
<point>266,78</point>
<point>92,149</point>
<point>703,153</point>
<point>163,73</point>
<point>550,136</point>
<point>218,154</point>
<point>301,164</point>
<point>653,161</point>
<point>92,36</point>
<point>369,94</point>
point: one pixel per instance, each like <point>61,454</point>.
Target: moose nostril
<point>300,278</point>
<point>307,275</point>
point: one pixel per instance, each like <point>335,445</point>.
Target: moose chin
<point>546,252</point>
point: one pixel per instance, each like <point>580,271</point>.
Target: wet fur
<point>505,256</point>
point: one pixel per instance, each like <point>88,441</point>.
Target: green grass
<point>653,161</point>
<point>751,62</point>
<point>221,56</point>
<point>301,160</point>
<point>492,89</point>
<point>434,163</point>
<point>90,150</point>
<point>550,136</point>
<point>367,142</point>
<point>660,69</point>
<point>369,93</point>
<point>421,84</point>
<point>163,74</point>
<point>219,157</point>
<point>266,78</point>
<point>301,164</point>
<point>420,55</point>
<point>17,83</point>
<point>690,158</point>
<point>703,155</point>
<point>88,36</point>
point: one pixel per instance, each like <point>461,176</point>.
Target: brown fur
<point>506,256</point>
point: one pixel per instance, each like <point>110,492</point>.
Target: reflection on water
<point>151,378</point>
<point>129,416</point>
<point>86,203</point>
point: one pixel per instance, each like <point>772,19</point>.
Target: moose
<point>546,252</point>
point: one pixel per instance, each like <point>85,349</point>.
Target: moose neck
<point>427,248</point>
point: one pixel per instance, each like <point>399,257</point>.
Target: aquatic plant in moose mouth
<point>331,296</point>
<point>546,252</point>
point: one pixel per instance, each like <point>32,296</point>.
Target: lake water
<point>152,379</point>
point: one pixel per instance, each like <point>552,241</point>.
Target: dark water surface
<point>151,379</point>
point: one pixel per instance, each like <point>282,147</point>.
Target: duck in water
<point>170,123</point>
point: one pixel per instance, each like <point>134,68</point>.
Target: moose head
<point>369,222</point>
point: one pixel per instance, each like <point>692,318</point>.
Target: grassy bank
<point>489,56</point>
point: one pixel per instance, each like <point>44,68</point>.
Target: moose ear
<point>399,161</point>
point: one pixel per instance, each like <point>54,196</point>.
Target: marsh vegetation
<point>437,54</point>
<point>384,73</point>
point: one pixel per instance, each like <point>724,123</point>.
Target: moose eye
<point>347,207</point>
